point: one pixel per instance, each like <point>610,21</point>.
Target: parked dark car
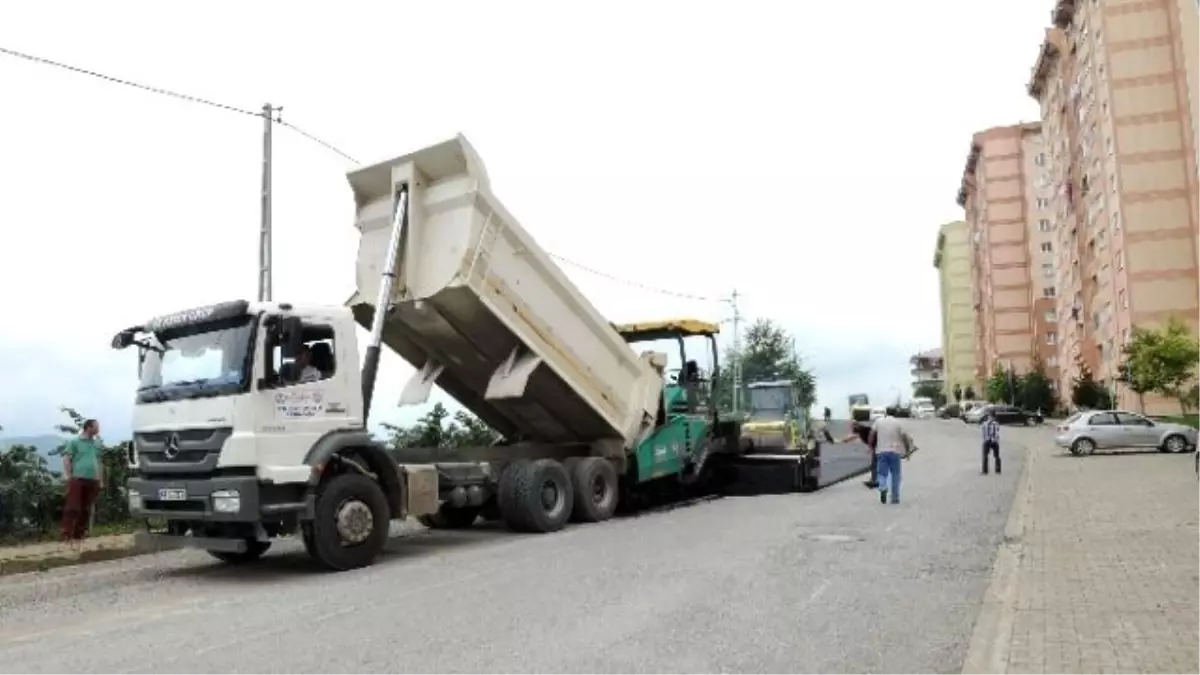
<point>1005,414</point>
<point>950,411</point>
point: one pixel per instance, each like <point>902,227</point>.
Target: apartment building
<point>952,258</point>
<point>1113,87</point>
<point>1002,201</point>
<point>928,368</point>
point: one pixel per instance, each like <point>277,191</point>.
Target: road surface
<point>825,582</point>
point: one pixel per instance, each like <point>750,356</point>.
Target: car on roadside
<point>1086,431</point>
<point>877,412</point>
<point>1005,414</point>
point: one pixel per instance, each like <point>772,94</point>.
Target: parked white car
<point>1084,432</point>
<point>877,412</point>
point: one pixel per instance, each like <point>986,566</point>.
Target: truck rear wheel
<point>542,498</point>
<point>254,550</point>
<point>450,518</point>
<point>596,490</point>
<point>350,528</point>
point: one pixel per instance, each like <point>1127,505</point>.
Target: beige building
<point>953,262</point>
<point>1112,81</point>
<point>1003,202</point>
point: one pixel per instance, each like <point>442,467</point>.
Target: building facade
<point>928,369</point>
<point>1000,197</point>
<point>952,258</point>
<point>1117,122</point>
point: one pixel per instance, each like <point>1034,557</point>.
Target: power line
<point>634,284</point>
<point>173,94</point>
<point>312,137</point>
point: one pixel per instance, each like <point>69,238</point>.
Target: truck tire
<point>350,527</point>
<point>542,497</point>
<point>254,550</point>
<point>594,481</point>
<point>451,518</point>
<point>506,494</point>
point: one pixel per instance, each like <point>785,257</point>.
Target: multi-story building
<point>1118,125</point>
<point>1000,195</point>
<point>928,368</point>
<point>953,262</point>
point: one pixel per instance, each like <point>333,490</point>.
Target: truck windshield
<point>197,361</point>
<point>770,403</point>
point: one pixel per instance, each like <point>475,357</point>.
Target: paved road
<point>824,582</point>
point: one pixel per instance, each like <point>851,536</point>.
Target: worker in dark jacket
<point>862,431</point>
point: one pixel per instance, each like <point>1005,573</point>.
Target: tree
<point>1086,392</point>
<point>1037,391</point>
<point>958,393</point>
<point>437,429</point>
<point>932,391</point>
<point>1003,385</point>
<point>969,392</point>
<point>767,354</point>
<point>1163,361</point>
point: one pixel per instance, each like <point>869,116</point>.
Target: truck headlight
<point>227,501</point>
<point>135,501</point>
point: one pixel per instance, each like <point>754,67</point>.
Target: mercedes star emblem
<point>171,450</point>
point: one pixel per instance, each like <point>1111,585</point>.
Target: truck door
<point>301,410</point>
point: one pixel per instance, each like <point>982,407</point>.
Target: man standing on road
<point>891,443</point>
<point>85,476</point>
<point>991,440</point>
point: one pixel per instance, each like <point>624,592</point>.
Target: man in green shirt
<point>85,476</point>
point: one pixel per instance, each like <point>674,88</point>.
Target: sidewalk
<point>1099,570</point>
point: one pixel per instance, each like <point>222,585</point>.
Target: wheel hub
<point>549,495</point>
<point>355,523</point>
<point>1174,444</point>
<point>599,490</point>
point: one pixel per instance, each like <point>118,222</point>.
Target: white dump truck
<point>251,418</point>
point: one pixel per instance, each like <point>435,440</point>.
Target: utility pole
<point>264,234</point>
<point>737,349</point>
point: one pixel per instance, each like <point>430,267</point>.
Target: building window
<point>1047,247</point>
<point>1049,316</point>
<point>1116,222</point>
<point>1121,259</point>
<point>1108,145</point>
<point>1048,270</point>
<point>1040,159</point>
<point>1044,225</point>
<point>1123,300</point>
<point>1043,203</point>
<point>1052,361</point>
<point>1125,336</point>
<point>1048,292</point>
<point>1051,338</point>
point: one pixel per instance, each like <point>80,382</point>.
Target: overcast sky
<point>803,153</point>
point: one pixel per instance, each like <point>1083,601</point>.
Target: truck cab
<point>242,409</point>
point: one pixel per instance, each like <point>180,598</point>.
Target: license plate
<point>172,495</point>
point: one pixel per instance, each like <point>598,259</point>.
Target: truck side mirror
<point>122,340</point>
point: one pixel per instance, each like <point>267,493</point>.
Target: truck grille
<point>179,451</point>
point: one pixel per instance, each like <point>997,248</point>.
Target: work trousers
<point>994,447</point>
<point>888,467</point>
<point>81,495</point>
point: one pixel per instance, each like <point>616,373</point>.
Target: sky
<point>803,154</point>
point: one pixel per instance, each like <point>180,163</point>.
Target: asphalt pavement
<point>831,581</point>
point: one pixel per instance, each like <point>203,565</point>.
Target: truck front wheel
<point>350,527</point>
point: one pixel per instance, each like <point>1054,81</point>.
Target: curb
<point>66,559</point>
<point>991,636</point>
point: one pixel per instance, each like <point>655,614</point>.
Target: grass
<point>102,530</point>
<point>1192,421</point>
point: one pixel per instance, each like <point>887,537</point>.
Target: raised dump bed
<point>479,309</point>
